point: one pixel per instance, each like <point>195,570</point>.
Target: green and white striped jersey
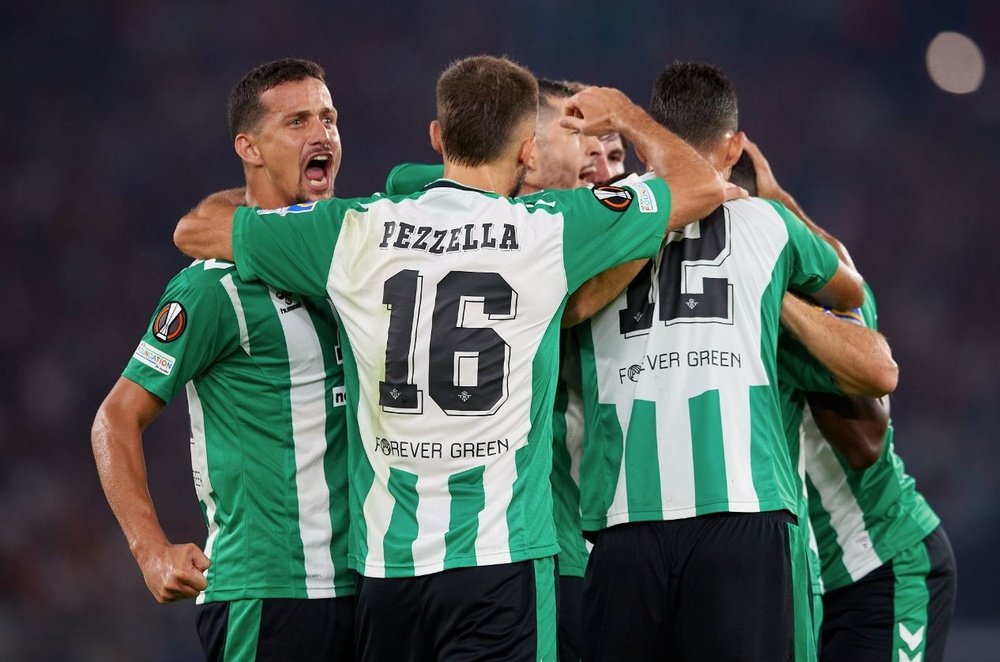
<point>567,451</point>
<point>863,518</point>
<point>451,300</point>
<point>265,386</point>
<point>680,389</point>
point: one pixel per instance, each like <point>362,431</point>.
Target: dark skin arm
<point>855,426</point>
<point>171,572</point>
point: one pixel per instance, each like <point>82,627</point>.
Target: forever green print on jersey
<point>450,299</point>
<point>683,417</point>
<point>862,519</point>
<point>265,391</point>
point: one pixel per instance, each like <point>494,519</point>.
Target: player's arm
<point>696,188</point>
<point>171,572</point>
<point>599,291</point>
<point>855,426</point>
<point>207,230</point>
<point>859,358</point>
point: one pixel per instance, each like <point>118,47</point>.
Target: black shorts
<point>496,612</point>
<point>570,604</point>
<point>729,586</point>
<point>901,610</point>
<point>277,629</point>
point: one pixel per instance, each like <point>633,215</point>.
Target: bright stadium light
<point>955,63</point>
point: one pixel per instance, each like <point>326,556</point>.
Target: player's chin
<point>310,193</point>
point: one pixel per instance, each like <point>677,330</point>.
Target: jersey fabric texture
<point>567,450</point>
<point>862,519</point>
<point>450,300</point>
<point>265,386</point>
<point>679,375</point>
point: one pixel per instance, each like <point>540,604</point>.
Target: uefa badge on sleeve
<point>170,322</point>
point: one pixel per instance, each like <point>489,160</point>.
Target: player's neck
<point>493,177</point>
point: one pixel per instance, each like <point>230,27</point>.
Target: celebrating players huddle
<point>410,412</point>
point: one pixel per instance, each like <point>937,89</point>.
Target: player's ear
<point>735,149</point>
<point>434,130</point>
<point>527,155</point>
<point>247,150</point>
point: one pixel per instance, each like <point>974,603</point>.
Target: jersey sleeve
<point>608,225</point>
<point>290,248</point>
<point>798,369</point>
<point>408,178</point>
<point>814,262</point>
<point>194,325</point>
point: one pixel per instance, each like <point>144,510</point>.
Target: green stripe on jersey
<point>641,468</point>
<point>708,454</point>
<point>911,600</point>
<point>467,500</point>
<point>403,528</point>
<point>267,439</point>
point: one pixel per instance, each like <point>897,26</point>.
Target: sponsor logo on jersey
<point>154,358</point>
<point>645,197</point>
<point>170,322</point>
<point>293,209</point>
<point>614,198</point>
<point>339,396</point>
<point>290,300</point>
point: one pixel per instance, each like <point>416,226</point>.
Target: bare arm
<point>171,572</point>
<point>599,291</point>
<point>858,357</point>
<point>854,426</point>
<point>696,188</point>
<point>207,230</point>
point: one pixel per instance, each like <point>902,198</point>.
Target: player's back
<point>682,372</point>
<point>450,300</point>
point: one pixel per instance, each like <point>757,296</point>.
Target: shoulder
<point>204,274</point>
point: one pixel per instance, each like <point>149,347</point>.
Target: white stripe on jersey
<point>846,516</point>
<point>498,489</point>
<point>308,400</point>
<point>241,320</point>
<point>199,470</point>
<point>734,409</point>
<point>433,517</point>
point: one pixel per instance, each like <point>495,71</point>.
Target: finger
<point>734,192</point>
<point>192,580</point>
<point>576,123</point>
<point>198,558</point>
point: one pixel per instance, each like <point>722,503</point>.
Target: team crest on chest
<point>170,322</point>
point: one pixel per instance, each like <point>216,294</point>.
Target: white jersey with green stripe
<point>683,415</point>
<point>265,384</point>
<point>862,519</point>
<point>450,300</point>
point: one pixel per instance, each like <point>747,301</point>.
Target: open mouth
<point>317,171</point>
<point>587,174</point>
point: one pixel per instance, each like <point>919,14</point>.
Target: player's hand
<point>175,572</point>
<point>596,111</point>
<point>734,192</point>
<point>767,183</point>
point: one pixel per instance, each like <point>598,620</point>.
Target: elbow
<point>575,312</point>
<point>864,455</point>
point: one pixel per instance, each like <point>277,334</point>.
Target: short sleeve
<point>408,178</point>
<point>608,225</point>
<point>194,325</point>
<point>797,368</point>
<point>290,248</point>
<point>813,260</point>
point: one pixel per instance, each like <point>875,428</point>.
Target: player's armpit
<point>855,426</point>
<point>599,291</point>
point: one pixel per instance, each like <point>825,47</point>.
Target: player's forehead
<point>308,95</point>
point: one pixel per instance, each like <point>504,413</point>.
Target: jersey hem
<point>229,595</point>
<point>476,560</point>
<point>688,512</point>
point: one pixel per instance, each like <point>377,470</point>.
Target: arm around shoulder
<point>207,230</point>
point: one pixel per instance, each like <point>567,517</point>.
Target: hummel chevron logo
<point>912,639</point>
<point>903,657</point>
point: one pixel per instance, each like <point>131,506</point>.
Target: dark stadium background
<point>114,125</point>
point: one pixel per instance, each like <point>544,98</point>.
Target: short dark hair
<point>549,90</point>
<point>480,101</point>
<point>744,174</point>
<point>245,108</point>
<point>696,101</point>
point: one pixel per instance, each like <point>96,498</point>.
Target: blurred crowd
<point>115,125</point>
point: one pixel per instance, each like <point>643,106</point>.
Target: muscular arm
<point>855,426</point>
<point>599,291</point>
<point>858,357</point>
<point>696,187</point>
<point>171,572</point>
<point>207,230</point>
